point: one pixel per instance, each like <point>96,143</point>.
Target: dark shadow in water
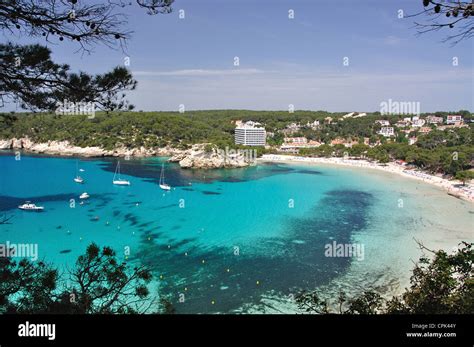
<point>150,169</point>
<point>166,206</point>
<point>131,218</point>
<point>284,265</point>
<point>145,224</point>
<point>309,172</point>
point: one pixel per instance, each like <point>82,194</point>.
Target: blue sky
<point>286,61</point>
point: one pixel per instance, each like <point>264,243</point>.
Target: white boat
<point>28,206</point>
<point>162,183</point>
<point>84,196</point>
<point>119,181</point>
<point>78,178</point>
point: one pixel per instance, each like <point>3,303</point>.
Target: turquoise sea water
<point>241,240</point>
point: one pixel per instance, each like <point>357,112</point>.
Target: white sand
<point>453,187</point>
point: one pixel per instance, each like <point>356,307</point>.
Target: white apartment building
<point>454,119</point>
<point>387,131</point>
<point>248,135</point>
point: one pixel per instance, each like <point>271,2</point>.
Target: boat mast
<point>162,175</point>
<point>117,169</point>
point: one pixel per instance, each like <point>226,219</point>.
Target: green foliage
<point>98,284</point>
<point>208,148</point>
<point>446,152</point>
<point>321,151</point>
<point>40,84</point>
<point>442,285</point>
<point>367,303</point>
<point>276,140</point>
<point>465,176</point>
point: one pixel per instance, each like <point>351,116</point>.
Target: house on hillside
<point>383,122</point>
<point>434,119</point>
<point>454,120</point>
<point>387,131</point>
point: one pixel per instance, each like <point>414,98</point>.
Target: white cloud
<point>312,90</point>
<point>199,72</point>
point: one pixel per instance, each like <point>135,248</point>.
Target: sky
<point>284,61</point>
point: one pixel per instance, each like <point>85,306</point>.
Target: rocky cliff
<point>66,149</point>
<point>195,157</point>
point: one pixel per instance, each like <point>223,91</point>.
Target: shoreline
<point>196,156</point>
<point>65,149</point>
<point>453,188</point>
<point>357,163</point>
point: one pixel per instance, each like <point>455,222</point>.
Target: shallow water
<point>230,239</point>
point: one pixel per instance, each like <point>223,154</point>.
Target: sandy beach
<point>452,187</point>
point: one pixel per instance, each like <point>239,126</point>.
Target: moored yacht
<point>162,183</point>
<point>28,206</point>
<point>84,196</point>
<point>78,178</point>
<point>119,181</point>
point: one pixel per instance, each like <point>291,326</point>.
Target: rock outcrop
<point>199,158</point>
<point>53,147</point>
<point>64,148</point>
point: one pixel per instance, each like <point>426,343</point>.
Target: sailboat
<point>78,178</point>
<point>119,181</point>
<point>162,183</point>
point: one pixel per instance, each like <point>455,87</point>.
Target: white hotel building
<point>250,135</point>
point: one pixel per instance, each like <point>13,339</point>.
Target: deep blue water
<point>224,238</point>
